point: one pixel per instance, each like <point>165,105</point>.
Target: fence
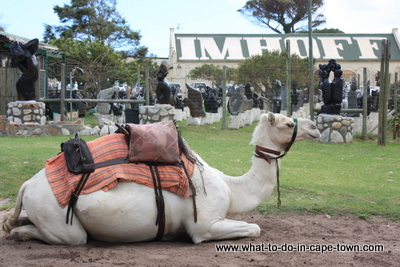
<point>8,91</point>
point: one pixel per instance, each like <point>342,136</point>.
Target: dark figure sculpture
<point>195,102</point>
<point>237,102</point>
<point>177,101</point>
<point>24,58</point>
<point>249,95</point>
<point>352,97</point>
<point>277,99</point>
<point>332,92</point>
<point>163,91</point>
<point>211,102</point>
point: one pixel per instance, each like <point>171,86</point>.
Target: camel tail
<point>10,220</point>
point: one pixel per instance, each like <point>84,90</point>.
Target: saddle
<point>156,144</point>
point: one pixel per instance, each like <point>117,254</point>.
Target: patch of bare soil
<point>284,234</point>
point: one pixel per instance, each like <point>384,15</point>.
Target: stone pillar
<point>4,125</point>
<point>335,129</point>
<point>156,113</point>
<point>27,112</point>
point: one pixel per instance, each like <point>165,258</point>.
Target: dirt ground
<point>279,233</point>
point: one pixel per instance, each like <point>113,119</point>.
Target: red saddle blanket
<point>63,182</point>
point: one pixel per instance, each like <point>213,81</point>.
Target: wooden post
<point>395,93</point>
<point>383,93</point>
<point>288,81</point>
<point>224,98</point>
<point>128,96</point>
<point>146,72</point>
<point>365,105</point>
<point>62,105</point>
<point>310,63</point>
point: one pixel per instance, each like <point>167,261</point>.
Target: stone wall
<point>157,113</point>
<point>335,129</point>
<point>27,112</point>
<point>52,128</point>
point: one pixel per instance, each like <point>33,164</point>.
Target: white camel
<point>128,212</point>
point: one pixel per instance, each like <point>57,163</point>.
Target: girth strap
<point>82,182</point>
<point>160,221</point>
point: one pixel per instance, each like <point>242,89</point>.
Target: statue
<point>24,58</point>
<point>163,91</point>
<point>352,97</point>
<point>277,99</point>
<point>194,101</point>
<point>249,95</point>
<point>237,102</point>
<point>211,100</point>
<point>332,92</point>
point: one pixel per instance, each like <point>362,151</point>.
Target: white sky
<point>153,18</point>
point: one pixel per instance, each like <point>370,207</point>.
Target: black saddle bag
<point>78,156</point>
<point>79,161</point>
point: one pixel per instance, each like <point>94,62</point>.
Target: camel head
<point>276,131</point>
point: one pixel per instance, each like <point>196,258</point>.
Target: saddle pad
<point>63,182</point>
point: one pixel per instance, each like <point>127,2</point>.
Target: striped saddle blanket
<point>112,146</point>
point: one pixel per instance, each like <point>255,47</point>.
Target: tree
<point>213,73</point>
<point>325,30</point>
<point>263,70</point>
<point>287,14</point>
<point>92,20</point>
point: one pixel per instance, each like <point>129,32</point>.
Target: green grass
<point>359,178</point>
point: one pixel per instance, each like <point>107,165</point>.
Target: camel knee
<point>9,222</point>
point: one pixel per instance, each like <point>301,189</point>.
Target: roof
<point>236,47</point>
<point>8,38</point>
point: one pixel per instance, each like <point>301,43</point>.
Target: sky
<point>154,18</point>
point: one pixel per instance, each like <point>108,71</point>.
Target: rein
<point>260,153</point>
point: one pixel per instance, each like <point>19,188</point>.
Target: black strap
<point>160,221</point>
<point>191,186</point>
<point>75,195</point>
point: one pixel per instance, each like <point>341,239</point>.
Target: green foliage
<point>93,20</point>
<point>394,126</point>
<point>263,70</point>
<point>325,30</point>
<point>275,14</point>
<point>212,72</point>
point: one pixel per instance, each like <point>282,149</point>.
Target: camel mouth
<point>313,136</point>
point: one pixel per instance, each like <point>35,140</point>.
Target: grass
<point>359,178</point>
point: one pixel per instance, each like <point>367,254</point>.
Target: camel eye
<point>290,125</point>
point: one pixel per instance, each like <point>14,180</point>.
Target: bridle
<point>260,153</point>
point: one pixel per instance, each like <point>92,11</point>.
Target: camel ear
<point>271,118</point>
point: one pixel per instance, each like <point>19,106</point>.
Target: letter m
<point>231,49</point>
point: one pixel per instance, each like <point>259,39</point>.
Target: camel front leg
<point>228,229</point>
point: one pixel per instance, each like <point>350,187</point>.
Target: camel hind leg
<point>47,217</point>
<point>12,219</point>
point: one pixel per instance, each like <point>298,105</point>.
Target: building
<point>353,51</point>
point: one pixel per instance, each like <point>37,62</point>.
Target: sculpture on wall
<point>163,91</point>
<point>332,92</point>
<point>23,56</point>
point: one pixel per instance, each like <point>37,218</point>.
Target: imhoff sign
<point>235,47</point>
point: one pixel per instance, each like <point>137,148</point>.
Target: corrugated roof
<point>9,38</point>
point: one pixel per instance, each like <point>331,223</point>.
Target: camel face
<point>277,130</point>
